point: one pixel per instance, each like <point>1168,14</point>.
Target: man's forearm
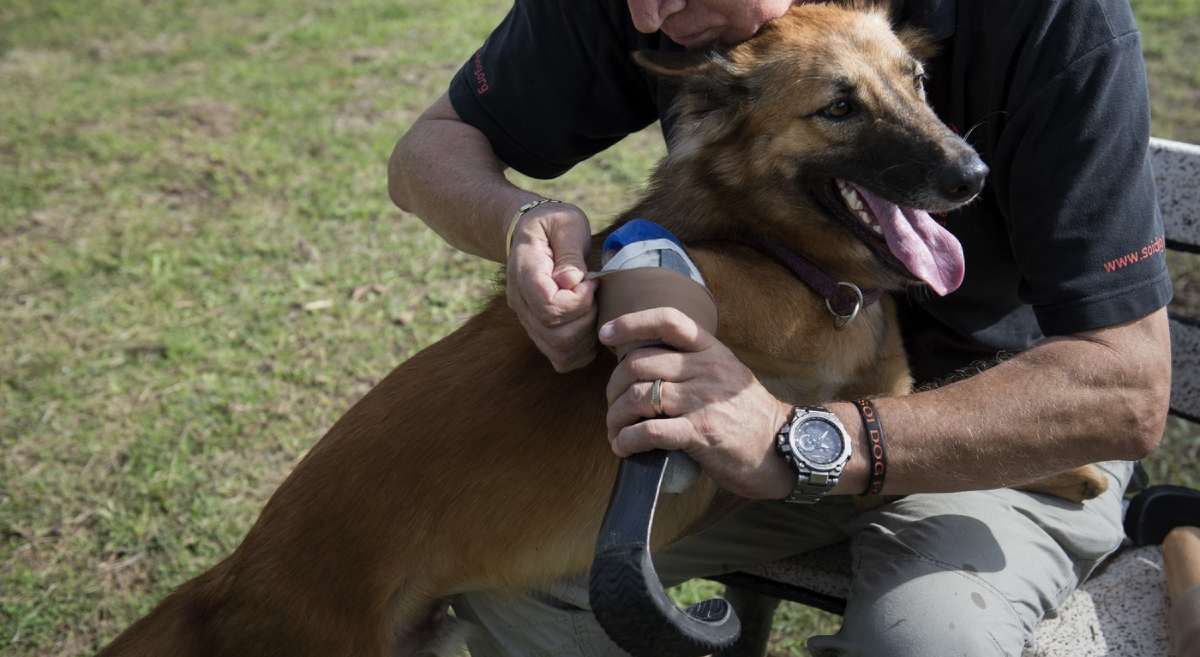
<point>445,172</point>
<point>1096,396</point>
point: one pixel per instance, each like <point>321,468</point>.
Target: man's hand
<point>717,411</point>
<point>547,286</point>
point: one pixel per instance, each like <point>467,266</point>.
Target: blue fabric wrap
<point>637,230</point>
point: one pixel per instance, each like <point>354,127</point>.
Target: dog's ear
<point>692,68</point>
<point>710,85</point>
<point>917,42</point>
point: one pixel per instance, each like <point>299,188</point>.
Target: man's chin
<point>730,37</point>
<point>697,40</point>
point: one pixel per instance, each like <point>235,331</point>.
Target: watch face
<point>818,441</point>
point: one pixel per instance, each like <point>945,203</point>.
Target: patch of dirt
<point>211,118</point>
<point>159,45</point>
<point>33,63</point>
<point>367,55</point>
<point>187,126</point>
<point>358,114</point>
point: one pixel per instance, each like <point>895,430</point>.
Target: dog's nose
<point>962,181</point>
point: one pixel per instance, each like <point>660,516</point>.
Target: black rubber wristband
<point>876,447</point>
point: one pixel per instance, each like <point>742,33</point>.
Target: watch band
<point>810,488</point>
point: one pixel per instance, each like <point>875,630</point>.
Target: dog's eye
<point>840,109</point>
<point>919,81</point>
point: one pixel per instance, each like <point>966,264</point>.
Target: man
<point>1054,94</point>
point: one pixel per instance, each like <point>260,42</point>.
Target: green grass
<point>200,270</point>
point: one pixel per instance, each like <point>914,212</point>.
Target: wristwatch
<point>815,446</point>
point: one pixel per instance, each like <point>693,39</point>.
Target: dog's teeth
<point>850,195</point>
<point>855,202</point>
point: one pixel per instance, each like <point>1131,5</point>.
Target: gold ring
<point>656,397</point>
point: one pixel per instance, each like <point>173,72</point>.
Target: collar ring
<point>842,320</point>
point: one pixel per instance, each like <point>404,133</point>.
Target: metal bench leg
<point>756,612</point>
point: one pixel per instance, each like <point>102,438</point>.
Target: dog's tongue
<point>929,251</point>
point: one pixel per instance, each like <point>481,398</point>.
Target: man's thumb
<point>569,246</point>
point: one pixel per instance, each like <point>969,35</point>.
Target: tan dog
<point>475,466</point>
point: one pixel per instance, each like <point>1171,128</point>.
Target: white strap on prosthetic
<point>653,253</point>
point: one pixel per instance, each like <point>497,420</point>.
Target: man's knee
<point>939,612</point>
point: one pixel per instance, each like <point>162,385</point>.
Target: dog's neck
<point>833,290</point>
<point>699,210</point>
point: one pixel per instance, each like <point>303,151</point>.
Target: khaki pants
<point>952,574</point>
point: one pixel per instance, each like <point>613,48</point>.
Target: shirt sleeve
<point>555,84</point>
<point>1074,174</point>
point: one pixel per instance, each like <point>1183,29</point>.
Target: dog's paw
<point>1094,482</point>
<point>1077,485</point>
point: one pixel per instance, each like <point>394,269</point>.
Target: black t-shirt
<point>1052,93</point>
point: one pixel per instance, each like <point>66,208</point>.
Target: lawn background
<point>200,270</point>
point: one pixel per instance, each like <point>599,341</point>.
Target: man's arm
<point>1065,402</point>
<point>446,172</point>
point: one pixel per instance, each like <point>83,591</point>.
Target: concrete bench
<point>1121,611</point>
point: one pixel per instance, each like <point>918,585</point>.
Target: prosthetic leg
<point>646,267</point>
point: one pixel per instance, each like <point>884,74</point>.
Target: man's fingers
<point>570,243</point>
<point>571,345</point>
<point>547,285</point>
<point>632,405</point>
<point>531,278</point>
<point>579,362</point>
<point>666,325</point>
<point>568,346</point>
<point>574,302</point>
<point>642,365</point>
<point>559,233</point>
<point>563,325</point>
<point>552,306</point>
<point>664,433</point>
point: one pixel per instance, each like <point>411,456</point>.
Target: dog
<point>475,466</point>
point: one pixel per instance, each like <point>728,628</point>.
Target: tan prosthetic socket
<point>624,291</point>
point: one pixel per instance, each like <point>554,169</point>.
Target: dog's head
<point>823,113</point>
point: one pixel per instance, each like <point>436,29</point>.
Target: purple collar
<point>843,299</point>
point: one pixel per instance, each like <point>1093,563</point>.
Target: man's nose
<point>648,15</point>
